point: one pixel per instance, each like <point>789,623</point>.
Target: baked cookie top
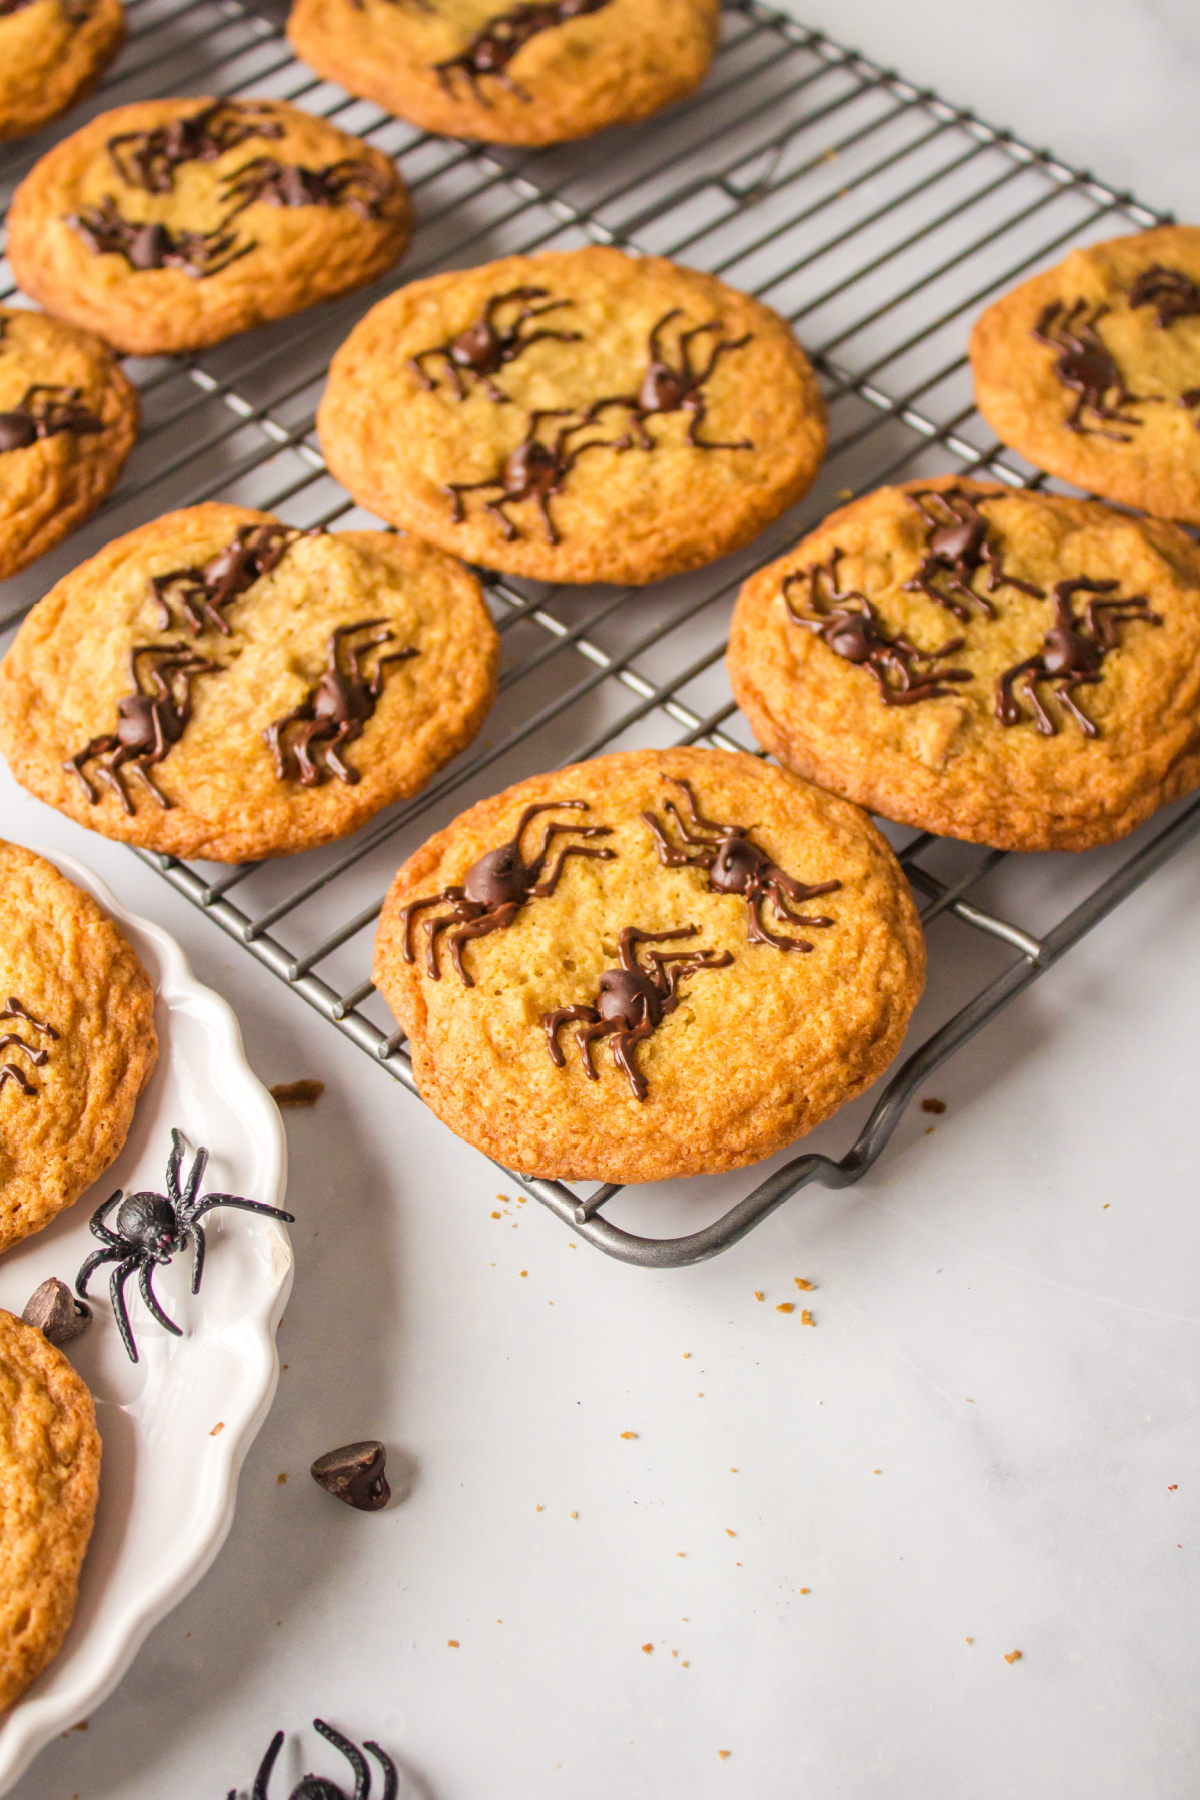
<point>171,224</point>
<point>1092,370</point>
<point>580,415</point>
<point>219,685</point>
<point>515,73</point>
<point>52,53</point>
<point>1003,666</point>
<point>49,1482</point>
<point>659,963</point>
<point>68,420</point>
<point>77,1041</point>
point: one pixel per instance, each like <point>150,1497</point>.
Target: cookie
<point>1092,370</point>
<point>580,415</point>
<point>172,224</point>
<point>52,53</point>
<point>1008,667</point>
<point>49,1481</point>
<point>658,963</point>
<point>219,685</point>
<point>516,73</point>
<point>68,420</point>
<point>77,1041</point>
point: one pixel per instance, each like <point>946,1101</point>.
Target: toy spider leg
<point>317,1787</point>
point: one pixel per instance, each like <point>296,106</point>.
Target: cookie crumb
<point>758,1295</point>
<point>1013,1656</point>
<point>297,1093</point>
<point>523,1273</point>
<point>785,1306</point>
<point>806,1287</point>
<point>729,1533</point>
<point>806,1318</point>
<point>217,1428</point>
<point>629,1434</point>
<point>968,1640</point>
<point>933,1106</point>
<point>724,1754</point>
<point>495,1215</point>
<point>280,1480</point>
<point>646,1649</point>
<point>806,1590</point>
<point>452,1644</point>
<point>574,1515</point>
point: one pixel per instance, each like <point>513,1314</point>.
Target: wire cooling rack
<point>878,218</point>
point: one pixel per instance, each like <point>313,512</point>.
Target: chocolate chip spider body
<point>201,593</point>
<point>497,886</point>
<point>485,347</point>
<point>631,1001</point>
<point>957,548</point>
<point>535,471</point>
<point>1072,654</point>
<point>348,182</point>
<point>735,864</point>
<point>36,1055</point>
<point>1173,294</point>
<point>335,710</point>
<point>43,411</point>
<point>678,386</point>
<point>493,48</point>
<point>1084,364</point>
<point>149,159</point>
<point>317,1787</point>
<point>149,722</point>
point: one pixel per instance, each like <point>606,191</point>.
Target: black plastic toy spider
<point>319,1787</point>
<point>153,1228</point>
<point>485,347</point>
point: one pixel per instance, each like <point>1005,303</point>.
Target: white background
<point>989,1436</point>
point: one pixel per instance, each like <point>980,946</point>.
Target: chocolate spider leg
<point>36,1057</point>
<point>633,935</point>
<point>758,933</point>
<point>347,733</point>
<point>1066,699</point>
<point>352,1754</point>
<point>1008,707</point>
<point>456,490</point>
<point>657,353</point>
<point>310,774</point>
<point>565,1015</point>
<point>262,1779</point>
<point>599,853</point>
<point>795,889</point>
<point>696,817</point>
<point>97,746</point>
<point>1041,718</point>
<point>671,857</point>
<point>375,685</point>
<point>10,1072</point>
<point>671,970</point>
<point>432,927</point>
<point>142,766</point>
<point>537,862</point>
<point>451,368</point>
<point>274,738</point>
<point>696,407</point>
<point>116,1288</point>
<point>587,1036</point>
<point>151,1299</point>
<point>407,913</point>
<point>474,928</point>
<point>624,1043</point>
<point>391,1775</point>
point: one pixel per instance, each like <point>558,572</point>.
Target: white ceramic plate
<point>176,1426</point>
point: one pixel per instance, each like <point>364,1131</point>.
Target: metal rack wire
<point>877,217</point>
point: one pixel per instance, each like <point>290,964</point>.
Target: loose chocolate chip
<point>56,1312</point>
<point>17,431</point>
<point>355,1474</point>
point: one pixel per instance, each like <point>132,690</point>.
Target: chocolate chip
<point>17,431</point>
<point>355,1474</point>
<point>147,247</point>
<point>56,1312</point>
<point>297,1093</point>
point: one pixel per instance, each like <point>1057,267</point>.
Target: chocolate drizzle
<point>497,886</point>
<point>35,1055</point>
<point>1084,364</point>
<point>536,471</point>
<point>335,710</point>
<point>200,593</point>
<point>106,231</point>
<point>848,624</point>
<point>736,865</point>
<point>43,411</point>
<point>957,548</point>
<point>492,49</point>
<point>632,1001</point>
<point>149,159</point>
<point>1072,654</point>
<point>1173,294</point>
<point>150,721</point>
<point>485,347</point>
<point>348,182</point>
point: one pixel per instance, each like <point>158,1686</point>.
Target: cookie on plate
<point>68,420</point>
<point>659,963</point>
<point>171,224</point>
<point>77,1041</point>
<point>1092,370</point>
<point>1003,666</point>
<point>52,53</point>
<point>217,684</point>
<point>516,73</point>
<point>49,1482</point>
<point>579,415</point>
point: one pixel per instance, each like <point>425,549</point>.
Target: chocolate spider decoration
<point>735,865</point>
<point>44,410</point>
<point>497,886</point>
<point>848,624</point>
<point>153,1228</point>
<point>493,48</point>
<point>150,721</point>
<point>106,231</point>
<point>11,1071</point>
<point>200,593</point>
<point>669,387</point>
<point>319,1787</point>
<point>1172,293</point>
<point>348,182</point>
<point>1072,654</point>
<point>149,159</point>
<point>335,709</point>
<point>1084,364</point>
<point>535,471</point>
<point>485,347</point>
<point>957,548</point>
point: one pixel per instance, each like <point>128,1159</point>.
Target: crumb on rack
<point>933,1106</point>
<point>297,1093</point>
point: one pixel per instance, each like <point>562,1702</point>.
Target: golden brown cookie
<point>77,1041</point>
<point>515,73</point>
<point>1092,370</point>
<point>68,420</point>
<point>49,1481</point>
<point>216,684</point>
<point>659,963</point>
<point>1007,667</point>
<point>171,224</point>
<point>52,53</point>
<point>581,415</point>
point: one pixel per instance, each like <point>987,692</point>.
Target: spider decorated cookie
<point>658,963</point>
<point>49,1482</point>
<point>579,415</point>
<point>1092,370</point>
<point>521,72</point>
<point>52,53</point>
<point>68,420</point>
<point>1004,666</point>
<point>220,685</point>
<point>172,224</point>
<point>77,1041</point>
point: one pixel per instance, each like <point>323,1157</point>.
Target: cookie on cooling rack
<point>49,1479</point>
<point>77,1041</point>
<point>515,73</point>
<point>1003,666</point>
<point>68,420</point>
<point>219,685</point>
<point>659,963</point>
<point>52,53</point>
<point>579,415</point>
<point>1092,370</point>
<point>171,224</point>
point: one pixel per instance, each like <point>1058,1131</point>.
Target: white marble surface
<point>987,1443</point>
